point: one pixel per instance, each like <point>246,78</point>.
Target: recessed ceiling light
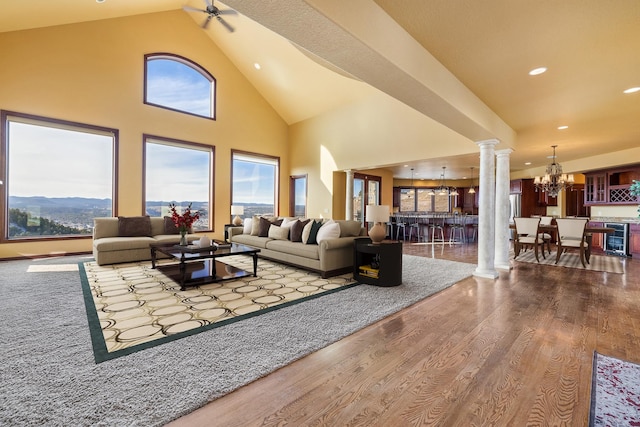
<point>632,90</point>
<point>537,71</point>
<point>99,1</point>
<point>406,166</point>
<point>256,66</point>
<point>563,127</point>
<point>527,163</point>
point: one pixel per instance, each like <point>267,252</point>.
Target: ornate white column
<point>348,210</point>
<point>502,209</point>
<point>486,215</point>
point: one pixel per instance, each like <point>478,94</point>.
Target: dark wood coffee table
<point>199,266</point>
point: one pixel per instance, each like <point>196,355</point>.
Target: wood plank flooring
<point>511,352</point>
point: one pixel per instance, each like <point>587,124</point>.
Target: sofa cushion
<point>123,243</point>
<point>255,241</point>
<point>169,226</point>
<point>134,226</point>
<point>105,227</point>
<point>294,248</point>
<point>296,230</point>
<point>278,233</point>
<point>329,230</point>
<point>349,227</point>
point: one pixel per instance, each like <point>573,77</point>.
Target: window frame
<point>274,159</point>
<point>146,138</point>
<point>5,117</point>
<point>189,63</point>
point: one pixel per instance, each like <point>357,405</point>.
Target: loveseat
<point>323,246</point>
<point>127,239</point>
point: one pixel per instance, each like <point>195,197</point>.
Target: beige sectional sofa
<point>330,256</point>
<point>117,240</point>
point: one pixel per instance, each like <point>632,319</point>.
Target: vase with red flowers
<point>184,221</point>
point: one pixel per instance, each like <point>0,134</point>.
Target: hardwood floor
<point>511,352</point>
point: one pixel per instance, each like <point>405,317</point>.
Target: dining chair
<point>546,237</point>
<point>527,235</point>
<point>571,236</point>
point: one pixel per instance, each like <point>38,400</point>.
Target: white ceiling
<point>464,63</point>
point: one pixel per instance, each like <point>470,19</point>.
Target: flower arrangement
<point>634,190</point>
<point>185,221</point>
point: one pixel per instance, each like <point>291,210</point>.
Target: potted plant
<point>634,190</point>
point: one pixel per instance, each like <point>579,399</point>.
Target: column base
<point>487,274</point>
<point>503,266</point>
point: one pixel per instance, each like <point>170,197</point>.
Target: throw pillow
<point>169,226</point>
<point>288,222</point>
<point>278,233</point>
<point>297,229</point>
<point>263,229</point>
<point>134,226</point>
<point>255,225</point>
<point>313,233</point>
<point>329,230</point>
<point>247,226</point>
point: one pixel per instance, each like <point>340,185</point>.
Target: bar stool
<point>436,225</point>
<point>457,227</point>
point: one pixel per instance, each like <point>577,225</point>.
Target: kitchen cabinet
<point>529,198</point>
<point>634,240</point>
<point>610,187</point>
<point>597,239</point>
<point>575,201</point>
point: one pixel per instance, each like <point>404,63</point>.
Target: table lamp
<point>378,214</point>
<point>237,210</point>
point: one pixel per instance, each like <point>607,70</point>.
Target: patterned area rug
<point>131,306</point>
<point>610,264</point>
<point>615,392</point>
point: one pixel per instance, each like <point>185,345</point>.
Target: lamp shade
<point>377,213</point>
<point>237,210</point>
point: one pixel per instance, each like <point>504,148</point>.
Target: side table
<point>377,264</point>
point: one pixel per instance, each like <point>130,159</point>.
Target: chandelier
<point>472,190</point>
<point>554,180</point>
<point>443,189</point>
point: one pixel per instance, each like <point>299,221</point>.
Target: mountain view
<point>51,216</point>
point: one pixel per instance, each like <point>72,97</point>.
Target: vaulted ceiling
<point>463,63</point>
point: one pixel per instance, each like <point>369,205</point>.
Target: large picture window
<point>178,84</point>
<point>58,176</point>
<point>178,172</point>
<point>254,183</point>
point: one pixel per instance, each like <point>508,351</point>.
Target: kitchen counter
<point>630,220</point>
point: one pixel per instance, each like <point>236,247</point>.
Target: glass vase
<point>183,238</point>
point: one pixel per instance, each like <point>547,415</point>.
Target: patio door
<point>366,191</point>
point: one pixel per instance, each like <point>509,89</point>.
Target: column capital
<point>488,142</point>
<point>504,152</point>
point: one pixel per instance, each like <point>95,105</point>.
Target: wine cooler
<point>617,243</point>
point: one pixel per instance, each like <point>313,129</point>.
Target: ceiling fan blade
<point>205,24</point>
<point>192,9</point>
<point>227,12</point>
<point>226,24</point>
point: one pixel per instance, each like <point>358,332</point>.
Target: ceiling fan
<point>213,11</point>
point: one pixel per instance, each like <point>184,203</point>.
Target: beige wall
<point>93,73</point>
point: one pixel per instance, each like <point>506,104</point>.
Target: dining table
<point>589,230</point>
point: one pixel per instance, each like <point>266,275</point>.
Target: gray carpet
<point>49,377</point>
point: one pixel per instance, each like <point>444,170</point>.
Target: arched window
<point>179,84</point>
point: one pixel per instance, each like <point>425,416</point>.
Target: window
<point>422,200</point>
<point>178,84</point>
<point>254,181</point>
<point>298,196</point>
<point>178,172</point>
<point>59,175</point>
